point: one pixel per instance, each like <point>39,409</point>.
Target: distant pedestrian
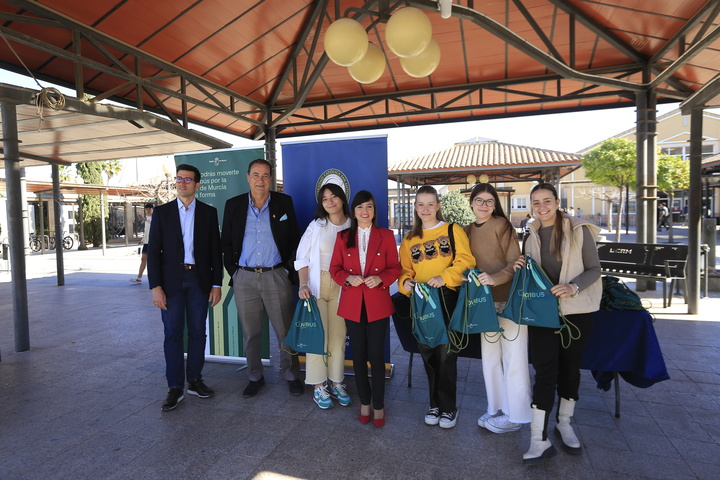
<point>144,242</point>
<point>571,211</point>
<point>663,215</point>
<point>579,213</point>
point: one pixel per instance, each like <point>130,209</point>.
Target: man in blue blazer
<point>259,239</point>
<point>185,275</point>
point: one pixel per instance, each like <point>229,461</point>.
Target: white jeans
<point>506,371</point>
<point>334,326</point>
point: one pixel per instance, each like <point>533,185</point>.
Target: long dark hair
<point>360,197</point>
<point>338,192</point>
<point>487,188</point>
<point>498,210</point>
<point>417,223</point>
<point>557,235</point>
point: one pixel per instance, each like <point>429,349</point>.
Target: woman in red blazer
<point>365,264</point>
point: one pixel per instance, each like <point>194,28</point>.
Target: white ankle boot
<point>564,430</point>
<point>540,446</point>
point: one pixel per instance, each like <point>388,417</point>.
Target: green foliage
<point>673,173</point>
<point>612,163</point>
<point>91,172</point>
<point>65,173</point>
<point>455,208</point>
<point>111,168</point>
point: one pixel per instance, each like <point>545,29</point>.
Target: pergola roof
<point>502,162</point>
<point>257,68</point>
<point>36,186</point>
<point>84,132</point>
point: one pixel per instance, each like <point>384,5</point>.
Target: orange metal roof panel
<point>233,53</point>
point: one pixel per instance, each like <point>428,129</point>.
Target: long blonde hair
<point>417,222</point>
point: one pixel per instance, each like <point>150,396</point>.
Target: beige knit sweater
<point>495,248</point>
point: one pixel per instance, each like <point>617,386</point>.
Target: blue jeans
<point>189,305</point>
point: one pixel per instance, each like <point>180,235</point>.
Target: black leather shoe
<point>253,388</point>
<point>175,396</point>
<point>295,386</point>
<point>199,388</point>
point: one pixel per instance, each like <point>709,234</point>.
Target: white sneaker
<point>432,417</point>
<point>502,424</point>
<point>448,420</point>
<point>481,421</point>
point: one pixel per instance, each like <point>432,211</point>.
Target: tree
<point>613,163</point>
<point>65,172</point>
<point>673,173</point>
<point>455,208</point>
<point>91,172</point>
<point>111,168</point>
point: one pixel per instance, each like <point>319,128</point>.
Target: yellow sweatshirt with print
<point>429,256</point>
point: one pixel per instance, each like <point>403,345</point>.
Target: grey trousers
<point>256,294</point>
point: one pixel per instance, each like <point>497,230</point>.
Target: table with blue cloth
<point>624,343</point>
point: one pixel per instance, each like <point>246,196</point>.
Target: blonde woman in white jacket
<point>312,262</point>
<point>565,248</point>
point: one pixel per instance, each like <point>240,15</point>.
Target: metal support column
<point>57,210</point>
<point>692,281</point>
<point>646,175</point>
<point>81,226</point>
<point>11,148</point>
<point>102,221</point>
<point>25,215</point>
<point>129,222</point>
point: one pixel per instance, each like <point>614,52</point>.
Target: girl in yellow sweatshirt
<point>427,256</point>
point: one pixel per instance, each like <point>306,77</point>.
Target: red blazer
<point>381,260</point>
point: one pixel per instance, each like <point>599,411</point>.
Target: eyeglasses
<point>479,201</point>
<point>184,179</point>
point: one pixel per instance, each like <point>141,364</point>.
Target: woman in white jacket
<point>312,262</point>
<point>565,248</point>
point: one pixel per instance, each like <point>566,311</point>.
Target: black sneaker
<point>253,387</point>
<point>295,386</point>
<point>175,396</point>
<point>199,388</point>
<point>448,420</point>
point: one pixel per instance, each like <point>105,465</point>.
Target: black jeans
<point>441,365</point>
<point>557,367</point>
<point>367,340</point>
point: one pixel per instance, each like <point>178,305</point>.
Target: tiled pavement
<point>84,403</point>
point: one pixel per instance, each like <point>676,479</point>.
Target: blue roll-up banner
<point>355,163</point>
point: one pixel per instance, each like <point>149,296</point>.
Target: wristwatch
<point>577,289</point>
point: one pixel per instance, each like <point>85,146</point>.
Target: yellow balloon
<point>345,41</point>
<point>423,64</point>
<point>408,32</point>
<point>371,67</point>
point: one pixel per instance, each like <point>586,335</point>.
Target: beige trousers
<point>334,326</point>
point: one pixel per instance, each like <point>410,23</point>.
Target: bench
<point>651,261</point>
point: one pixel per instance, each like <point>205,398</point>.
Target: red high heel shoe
<point>379,422</point>
<point>364,419</point>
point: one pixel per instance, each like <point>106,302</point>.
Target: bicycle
<point>49,241</point>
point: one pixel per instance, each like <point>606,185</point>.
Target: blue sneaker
<point>337,391</point>
<point>322,397</point>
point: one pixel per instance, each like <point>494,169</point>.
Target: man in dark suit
<point>185,274</point>
<point>260,236</point>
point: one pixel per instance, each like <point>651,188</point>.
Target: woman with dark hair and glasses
<point>494,245</point>
<point>365,265</point>
<point>565,248</point>
<point>312,261</point>
<point>427,255</point>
